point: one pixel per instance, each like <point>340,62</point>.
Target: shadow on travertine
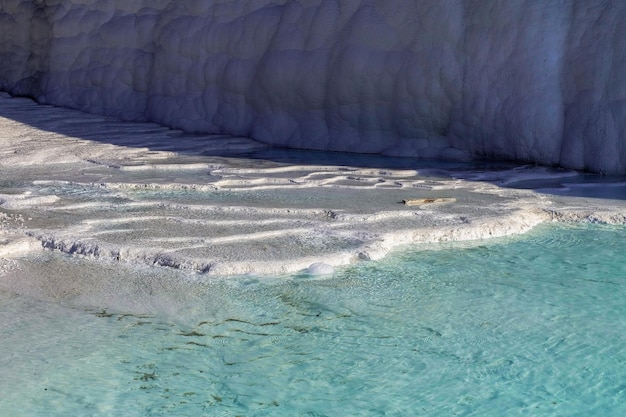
<point>76,124</point>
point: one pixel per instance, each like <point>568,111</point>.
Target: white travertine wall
<point>530,80</point>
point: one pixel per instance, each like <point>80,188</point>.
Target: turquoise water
<point>533,325</point>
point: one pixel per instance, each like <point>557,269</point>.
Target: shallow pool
<point>532,325</point>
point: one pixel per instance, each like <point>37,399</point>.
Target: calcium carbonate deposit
<point>178,236</point>
<point>535,81</point>
<point>104,190</point>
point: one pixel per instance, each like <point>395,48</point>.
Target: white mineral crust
<point>108,192</point>
<point>535,81</point>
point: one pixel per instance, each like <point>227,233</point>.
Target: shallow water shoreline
<point>517,325</point>
<point>104,190</point>
<point>147,272</point>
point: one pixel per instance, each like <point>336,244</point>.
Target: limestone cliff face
<point>537,81</point>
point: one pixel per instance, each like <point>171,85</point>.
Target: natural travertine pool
<point>147,272</point>
<point>530,325</point>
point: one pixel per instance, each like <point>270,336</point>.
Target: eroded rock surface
<point>524,79</point>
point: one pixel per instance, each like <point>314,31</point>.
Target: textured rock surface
<point>538,81</point>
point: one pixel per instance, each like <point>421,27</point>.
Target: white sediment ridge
<point>109,192</point>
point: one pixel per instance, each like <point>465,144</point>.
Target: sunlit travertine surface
<point>525,80</point>
<point>108,192</point>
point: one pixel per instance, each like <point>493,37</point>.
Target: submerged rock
<point>320,268</point>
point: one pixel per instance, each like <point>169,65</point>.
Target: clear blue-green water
<point>533,325</point>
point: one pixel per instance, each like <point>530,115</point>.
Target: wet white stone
<point>148,197</point>
<point>320,268</point>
